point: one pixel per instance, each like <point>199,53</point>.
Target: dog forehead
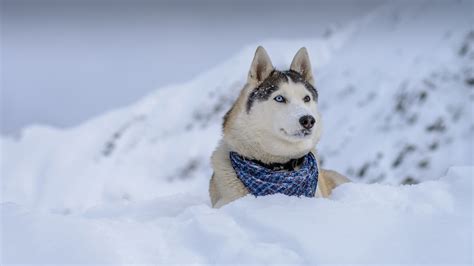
<point>291,89</point>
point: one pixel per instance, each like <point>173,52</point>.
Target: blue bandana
<point>261,180</point>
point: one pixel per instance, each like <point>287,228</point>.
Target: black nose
<point>307,121</point>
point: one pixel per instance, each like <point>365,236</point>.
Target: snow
<point>130,186</point>
<point>426,223</point>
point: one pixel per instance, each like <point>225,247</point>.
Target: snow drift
<point>396,94</point>
<point>426,223</point>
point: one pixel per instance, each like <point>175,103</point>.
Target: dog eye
<point>306,99</point>
<point>280,99</point>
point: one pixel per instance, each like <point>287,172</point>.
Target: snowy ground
<point>426,223</point>
<point>396,93</point>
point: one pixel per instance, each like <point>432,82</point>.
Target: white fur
<point>260,130</point>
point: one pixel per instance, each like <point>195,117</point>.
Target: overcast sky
<point>66,61</point>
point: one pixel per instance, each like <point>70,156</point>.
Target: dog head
<point>276,116</point>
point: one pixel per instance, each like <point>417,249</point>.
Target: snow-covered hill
<point>396,93</point>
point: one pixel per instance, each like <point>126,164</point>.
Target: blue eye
<point>280,99</point>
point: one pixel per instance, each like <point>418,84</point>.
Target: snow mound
<point>426,223</point>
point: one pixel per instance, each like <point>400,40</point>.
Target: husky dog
<point>275,120</point>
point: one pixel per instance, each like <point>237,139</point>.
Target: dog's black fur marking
<point>266,88</point>
<point>296,77</point>
<point>270,85</point>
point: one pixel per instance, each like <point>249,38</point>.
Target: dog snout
<point>307,121</point>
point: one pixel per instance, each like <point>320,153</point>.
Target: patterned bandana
<point>261,180</point>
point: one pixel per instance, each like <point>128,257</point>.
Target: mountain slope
<point>396,93</point>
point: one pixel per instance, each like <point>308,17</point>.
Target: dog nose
<point>307,121</point>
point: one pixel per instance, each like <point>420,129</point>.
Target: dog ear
<point>261,66</point>
<point>302,65</point>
